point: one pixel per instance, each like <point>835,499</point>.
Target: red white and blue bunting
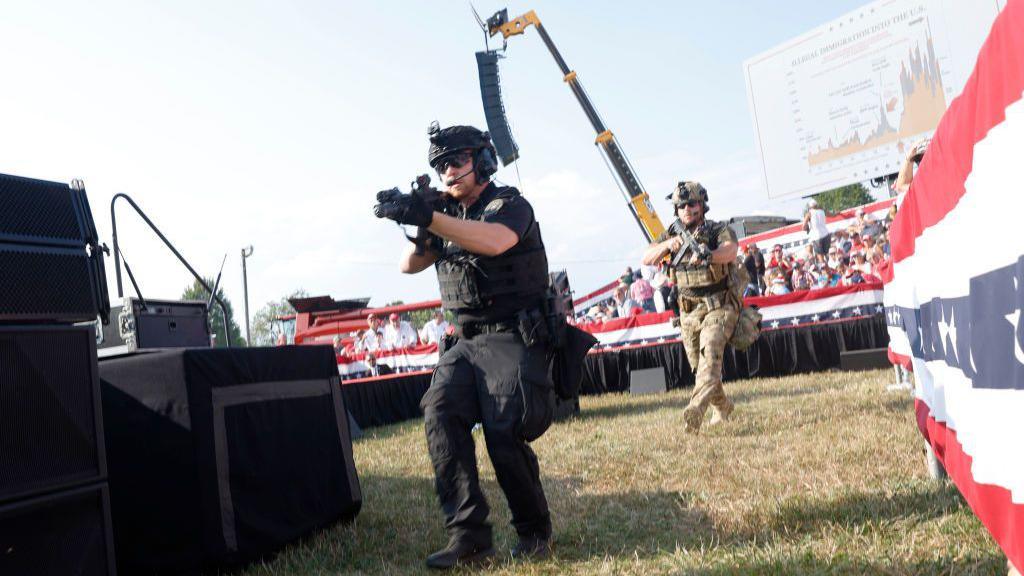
<point>788,311</point>
<point>956,287</point>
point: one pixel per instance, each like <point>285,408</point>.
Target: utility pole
<point>246,252</point>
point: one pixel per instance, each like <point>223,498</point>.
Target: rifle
<point>422,189</point>
<point>690,246</point>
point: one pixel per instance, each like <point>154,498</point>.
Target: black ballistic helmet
<point>454,139</point>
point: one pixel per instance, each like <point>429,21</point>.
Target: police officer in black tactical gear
<point>485,244</point>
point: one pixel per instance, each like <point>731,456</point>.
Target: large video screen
<point>845,101</point>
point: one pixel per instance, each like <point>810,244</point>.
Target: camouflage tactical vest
<point>705,280</point>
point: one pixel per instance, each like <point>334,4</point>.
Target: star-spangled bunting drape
<point>790,311</point>
<point>954,292</point>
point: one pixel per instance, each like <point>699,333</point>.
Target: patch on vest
<point>493,207</point>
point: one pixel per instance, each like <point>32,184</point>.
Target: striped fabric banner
<point>954,292</point>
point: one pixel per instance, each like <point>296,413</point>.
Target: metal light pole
<point>246,252</point>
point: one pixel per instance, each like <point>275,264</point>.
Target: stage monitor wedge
<point>494,109</point>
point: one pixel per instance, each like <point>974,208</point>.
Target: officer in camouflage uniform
<point>708,307</point>
<point>492,269</point>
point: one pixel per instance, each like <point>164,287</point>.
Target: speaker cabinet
<point>58,534</point>
<point>494,110</point>
<point>49,253</point>
<point>52,433</point>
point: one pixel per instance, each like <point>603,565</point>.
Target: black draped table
<point>218,456</point>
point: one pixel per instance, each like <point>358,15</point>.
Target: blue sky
<point>273,124</point>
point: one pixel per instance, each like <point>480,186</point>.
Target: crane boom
<point>639,202</point>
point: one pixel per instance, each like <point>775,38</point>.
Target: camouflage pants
<point>705,334</point>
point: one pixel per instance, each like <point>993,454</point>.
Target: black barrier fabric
<point>397,398</point>
<point>776,353</point>
<point>387,400</point>
<point>220,456</point>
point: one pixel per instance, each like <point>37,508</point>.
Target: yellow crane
<point>638,200</point>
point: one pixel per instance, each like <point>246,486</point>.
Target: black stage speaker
<point>219,456</point>
<point>58,534</point>
<point>647,381</point>
<point>51,434</point>
<point>160,324</point>
<point>494,110</point>
<point>51,264</point>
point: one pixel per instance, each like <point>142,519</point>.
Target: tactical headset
<point>485,160</point>
<point>456,138</point>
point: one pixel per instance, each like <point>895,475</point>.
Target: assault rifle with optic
<point>690,246</point>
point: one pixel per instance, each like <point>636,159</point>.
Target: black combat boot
<point>531,548</point>
<point>460,553</point>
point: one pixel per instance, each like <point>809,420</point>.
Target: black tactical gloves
<point>408,209</point>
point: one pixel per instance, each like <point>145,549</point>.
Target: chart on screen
<point>844,102</point>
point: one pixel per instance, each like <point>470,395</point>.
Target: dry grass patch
<point>815,474</point>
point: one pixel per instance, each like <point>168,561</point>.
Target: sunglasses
<point>457,160</point>
<point>689,204</point>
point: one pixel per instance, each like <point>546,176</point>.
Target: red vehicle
<point>318,319</point>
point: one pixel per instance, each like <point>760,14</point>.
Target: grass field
<point>815,474</point>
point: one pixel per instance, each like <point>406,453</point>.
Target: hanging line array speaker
<point>494,110</point>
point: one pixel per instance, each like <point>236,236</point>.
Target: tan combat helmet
<point>687,191</point>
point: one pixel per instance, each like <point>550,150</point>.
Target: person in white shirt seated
<point>398,333</point>
<point>435,328</point>
<point>371,338</point>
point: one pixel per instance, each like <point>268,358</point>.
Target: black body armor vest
<point>503,284</point>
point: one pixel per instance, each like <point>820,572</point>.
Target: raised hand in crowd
<point>906,175</point>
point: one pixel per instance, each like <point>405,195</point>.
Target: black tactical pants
<point>496,380</point>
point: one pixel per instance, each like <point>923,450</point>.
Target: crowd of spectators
<point>851,255</point>
<point>646,289</point>
<point>394,334</point>
<point>840,258</point>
